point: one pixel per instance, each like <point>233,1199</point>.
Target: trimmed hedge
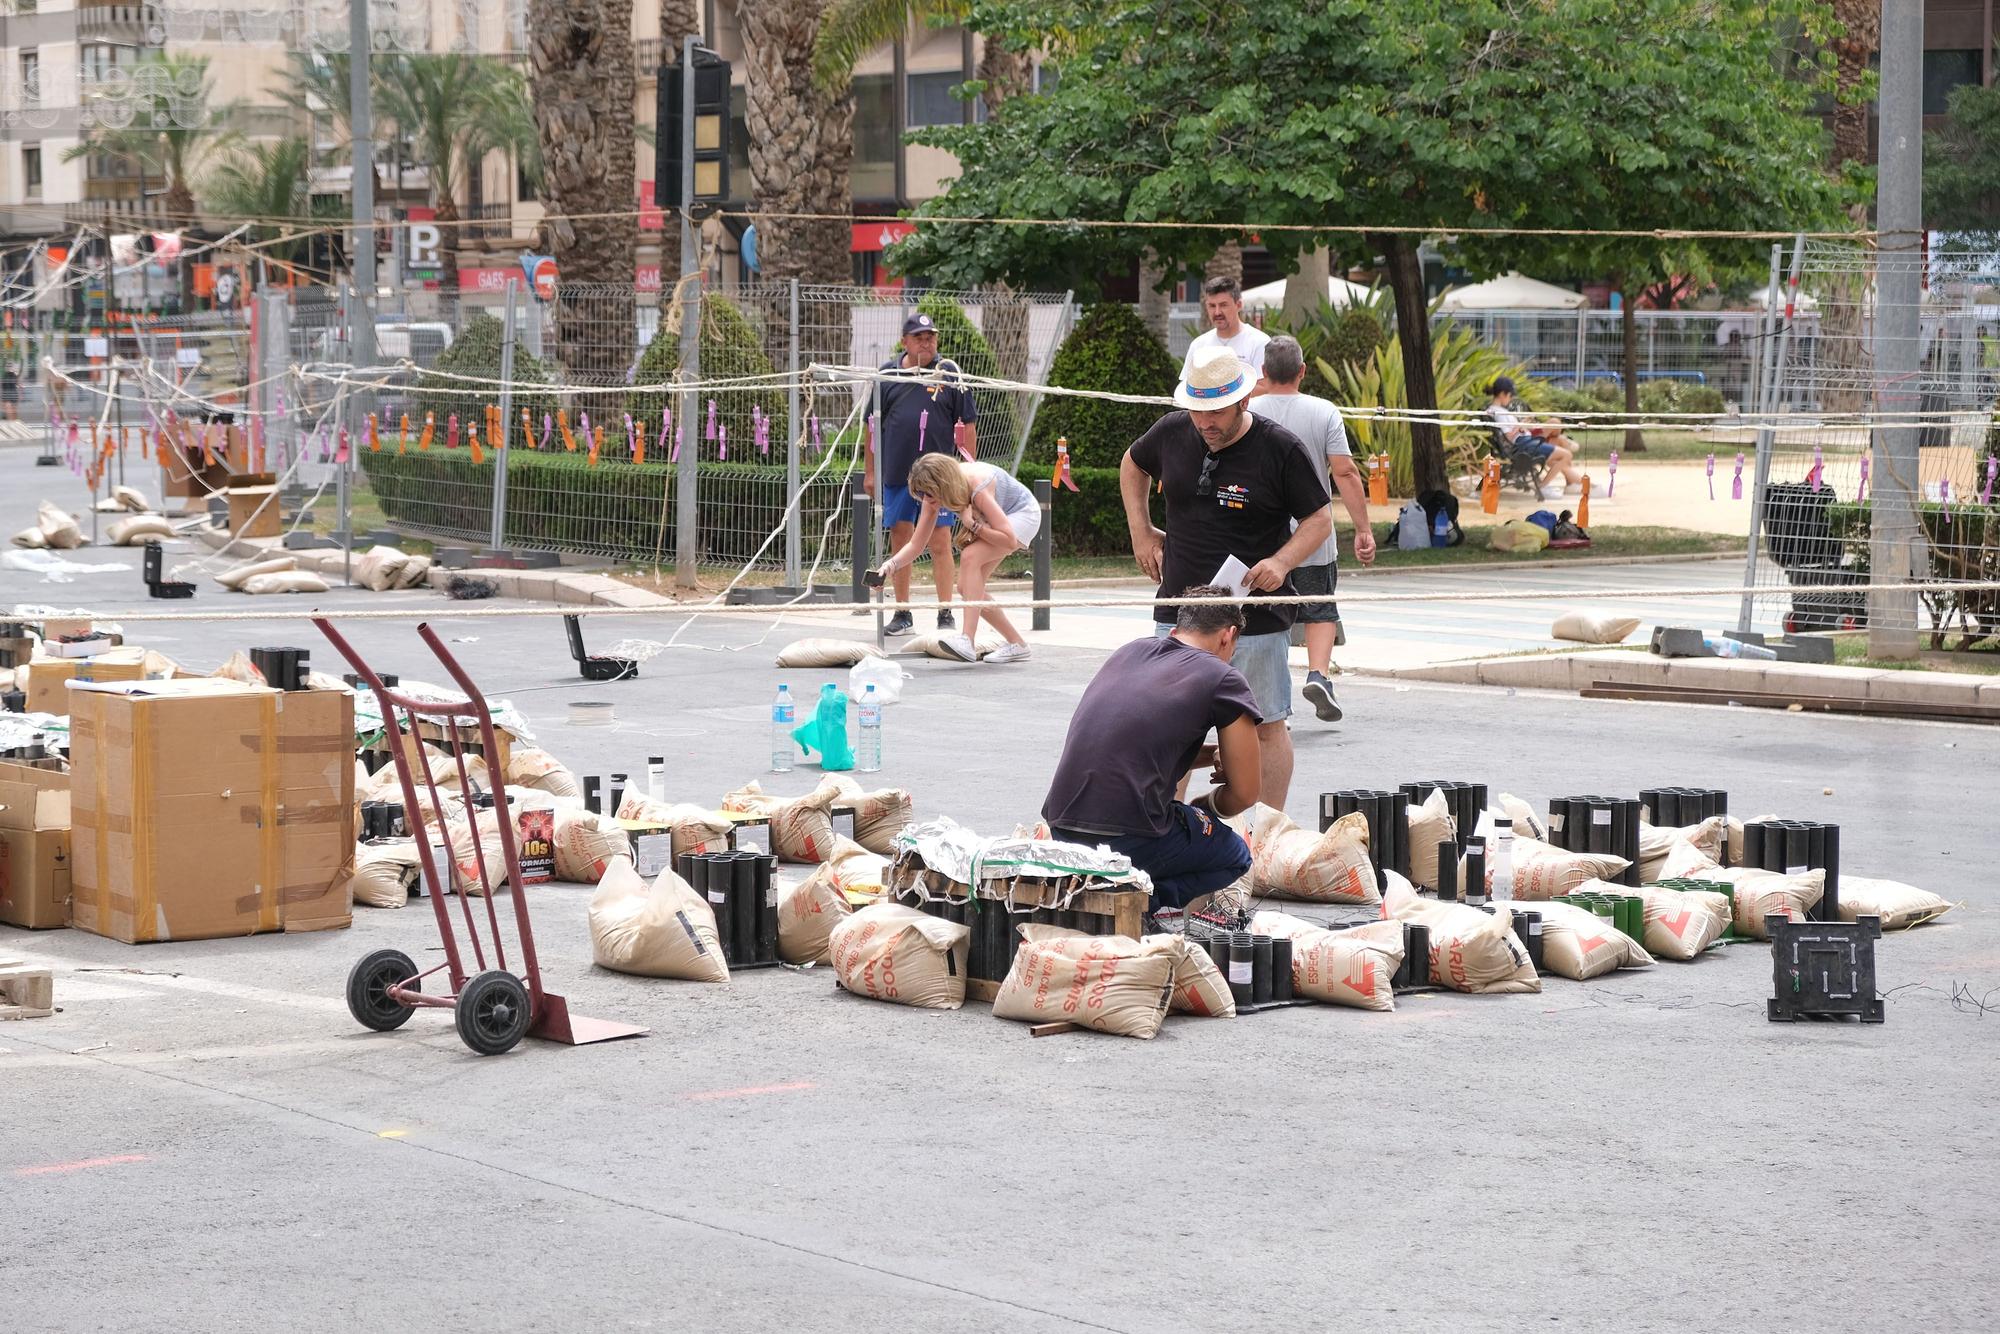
<point>960,340</point>
<point>1091,520</point>
<point>1110,348</point>
<point>729,347</point>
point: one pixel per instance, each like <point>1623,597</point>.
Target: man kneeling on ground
<point>1138,731</point>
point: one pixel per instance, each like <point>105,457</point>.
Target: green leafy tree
<point>1110,348</point>
<point>457,109</point>
<point>1426,115</point>
<point>1962,163</point>
<point>1340,333</point>
<point>270,181</point>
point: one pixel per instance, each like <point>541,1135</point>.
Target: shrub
<point>1462,367</point>
<point>1108,349</point>
<point>729,347</point>
<point>1090,521</point>
<point>1340,335</point>
<point>1658,397</point>
<point>476,352</point>
<point>959,340</point>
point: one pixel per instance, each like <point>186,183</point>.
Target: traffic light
<point>711,132</point>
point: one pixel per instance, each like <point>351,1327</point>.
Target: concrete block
<point>1925,688</point>
<point>630,597</point>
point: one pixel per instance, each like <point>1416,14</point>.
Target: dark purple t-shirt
<point>1136,731</point>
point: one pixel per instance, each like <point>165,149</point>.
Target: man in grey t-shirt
<point>1317,423</point>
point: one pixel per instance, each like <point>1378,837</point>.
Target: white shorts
<point>1026,523</point>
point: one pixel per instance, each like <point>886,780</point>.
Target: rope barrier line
<point>1024,604</point>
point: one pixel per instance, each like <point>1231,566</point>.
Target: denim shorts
<point>1265,662</point>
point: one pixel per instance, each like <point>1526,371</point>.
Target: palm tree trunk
<point>679,20</point>
<point>446,213</point>
<point>1005,73</point>
<point>801,146</point>
<point>1413,331</point>
<point>1852,52</point>
<point>582,81</point>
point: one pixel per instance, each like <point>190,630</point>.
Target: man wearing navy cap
<point>920,415</point>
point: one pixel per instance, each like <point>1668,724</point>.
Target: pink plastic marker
<point>631,436</point>
<point>584,419</point>
<point>675,457</point>
<point>923,428</point>
<point>1992,467</point>
<point>1944,497</point>
<point>818,444</point>
<point>548,425</point>
<point>1736,484</point>
<point>666,430</point>
<point>340,454</point>
<point>709,433</point>
<point>1711,477</point>
<point>1819,464</point>
<point>722,438</point>
<point>1611,486</point>
<point>1861,491</point>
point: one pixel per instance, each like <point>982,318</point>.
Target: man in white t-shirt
<point>1317,424</point>
<point>1222,302</point>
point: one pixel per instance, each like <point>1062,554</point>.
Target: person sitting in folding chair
<point>1543,442</point>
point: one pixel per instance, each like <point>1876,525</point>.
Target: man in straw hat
<point>1234,485</point>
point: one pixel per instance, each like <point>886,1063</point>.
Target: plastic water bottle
<point>1441,529</point>
<point>782,714</point>
<point>1503,865</point>
<point>868,755</point>
<point>1735,648</point>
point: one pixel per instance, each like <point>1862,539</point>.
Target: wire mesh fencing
<point>1835,397</point>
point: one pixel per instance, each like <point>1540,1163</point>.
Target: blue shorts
<point>1265,662</point>
<point>1533,446</point>
<point>899,506</point>
<point>1198,854</point>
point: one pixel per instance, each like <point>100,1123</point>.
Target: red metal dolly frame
<point>494,1007</point>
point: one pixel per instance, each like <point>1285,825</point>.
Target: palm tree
<point>1853,53</point>
<point>851,29</point>
<point>457,109</point>
<point>801,144</point>
<point>269,181</point>
<point>173,133</point>
<point>581,57</point>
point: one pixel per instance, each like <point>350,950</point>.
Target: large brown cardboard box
<point>49,678</point>
<point>254,511</point>
<point>34,846</point>
<point>208,807</point>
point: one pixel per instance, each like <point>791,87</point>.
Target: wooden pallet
<point>26,993</point>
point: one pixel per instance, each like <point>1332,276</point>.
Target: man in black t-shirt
<point>1234,485</point>
<point>1137,733</point>
<point>931,415</point>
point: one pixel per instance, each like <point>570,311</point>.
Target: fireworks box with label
<point>535,842</point>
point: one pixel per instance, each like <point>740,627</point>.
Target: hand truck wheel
<point>368,998</point>
<point>493,1012</point>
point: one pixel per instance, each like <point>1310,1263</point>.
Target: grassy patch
<point>1852,651</point>
<point>1661,447</point>
<point>367,516</point>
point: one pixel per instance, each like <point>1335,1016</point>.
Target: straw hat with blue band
<point>1215,383</point>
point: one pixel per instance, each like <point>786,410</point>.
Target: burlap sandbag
<point>1352,967</point>
<point>1526,823</point>
<point>130,532</point>
<point>379,567</point>
<point>892,952</point>
<point>531,766</point>
<point>1199,988</point>
<point>416,572</point>
<point>31,538</point>
<point>1112,984</point>
<point>932,645</point>
<point>1471,950</point>
<point>691,829</point>
<point>235,579</point>
<point>1544,872</point>
<point>59,526</point>
<point>1580,945</point>
<point>878,816</point>
<point>383,875</point>
<point>1292,863</point>
<point>1429,824</point>
<point>801,827</point>
<point>662,930</point>
<point>1900,906</point>
<point>1656,842</point>
<point>1763,893</point>
<point>131,499</point>
<point>1585,628</point>
<point>1680,923</point>
<point>284,581</point>
<point>825,652</point>
<point>807,914</point>
<point>586,844</point>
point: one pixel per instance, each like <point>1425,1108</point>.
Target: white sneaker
<point>959,647</point>
<point>1552,493</point>
<point>1009,653</point>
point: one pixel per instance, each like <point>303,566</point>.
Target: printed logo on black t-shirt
<point>1232,497</point>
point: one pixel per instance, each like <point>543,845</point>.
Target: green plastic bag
<point>827,732</point>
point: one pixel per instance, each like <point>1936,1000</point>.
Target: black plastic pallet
<point>1824,970</point>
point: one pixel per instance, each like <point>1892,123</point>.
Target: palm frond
<point>850,29</point>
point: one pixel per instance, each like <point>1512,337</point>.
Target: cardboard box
<point>254,511</point>
<point>34,846</point>
<point>207,807</point>
<point>49,678</point>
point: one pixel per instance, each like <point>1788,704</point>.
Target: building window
<point>931,102</point>
<point>100,59</point>
<point>874,137</point>
<point>31,171</point>
<point>1945,72</point>
<point>31,78</point>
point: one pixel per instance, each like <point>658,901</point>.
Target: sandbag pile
<point>1585,628</point>
<point>1110,984</point>
<point>1292,863</point>
<point>1430,824</point>
<point>661,930</point>
<point>892,952</point>
<point>1471,950</point>
<point>1198,986</point>
<point>1657,843</point>
<point>801,827</point>
<point>383,875</point>
<point>530,766</point>
<point>138,529</point>
<point>1580,945</point>
<point>1545,872</point>
<point>1900,906</point>
<point>233,580</point>
<point>1680,923</point>
<point>587,844</point>
<point>878,816</point>
<point>1352,967</point>
<point>690,829</point>
<point>55,528</point>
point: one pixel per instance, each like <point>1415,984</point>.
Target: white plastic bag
<point>884,675</point>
